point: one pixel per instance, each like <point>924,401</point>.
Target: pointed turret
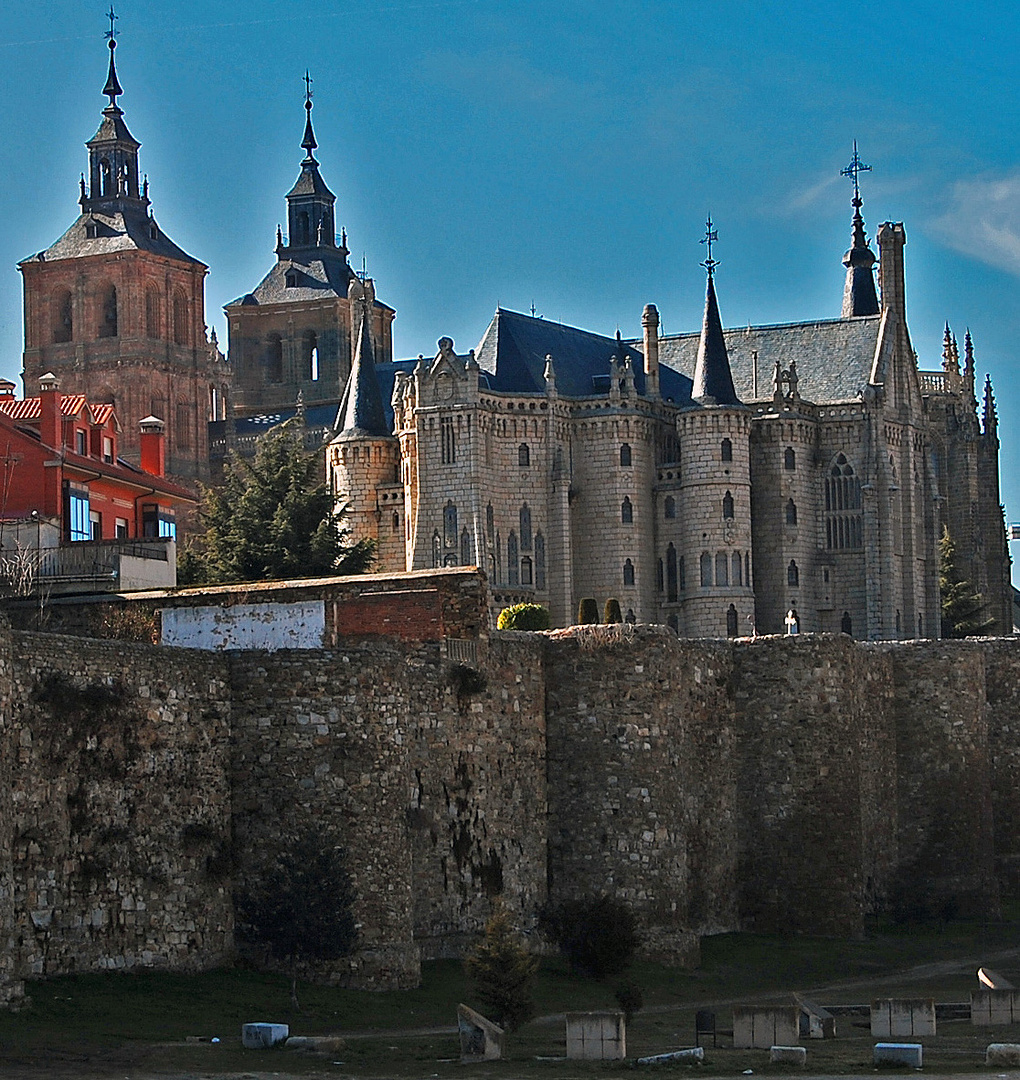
<point>950,359</point>
<point>310,202</point>
<point>713,380</point>
<point>989,417</point>
<point>113,152</point>
<point>361,408</point>
<point>968,366</point>
<point>859,295</point>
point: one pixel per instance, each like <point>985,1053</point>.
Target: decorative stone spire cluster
<point>950,353</point>
<point>989,417</point>
<point>713,380</point>
<point>859,295</point>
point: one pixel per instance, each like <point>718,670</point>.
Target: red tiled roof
<point>30,409</point>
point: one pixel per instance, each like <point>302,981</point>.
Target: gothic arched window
<point>722,569</point>
<point>539,561</point>
<point>437,550</point>
<point>525,527</point>
<point>706,570</point>
<point>465,548</point>
<point>792,573</point>
<point>63,319</point>
<point>843,506</point>
<point>183,428</point>
<point>669,508</point>
<point>791,512</point>
<point>735,569</point>
<point>672,584</point>
<point>108,312</point>
<point>490,530</point>
<point>310,348</point>
<point>789,459</point>
<point>274,359</point>
<point>726,450</point>
<point>523,454</point>
<point>152,312</point>
<point>180,318</point>
<point>846,624</point>
<point>512,567</point>
<point>628,573</point>
<point>626,511</point>
<point>450,525</point>
<point>625,454</point>
<point>683,574</point>
<point>526,571</point>
<point>727,505</point>
<point>731,621</point>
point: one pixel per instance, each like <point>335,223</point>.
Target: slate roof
<point>361,410</point>
<point>713,381</point>
<point>833,356</point>
<point>117,231</point>
<point>512,355</point>
<point>317,278</point>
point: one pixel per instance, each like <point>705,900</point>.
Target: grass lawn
<point>138,1024</point>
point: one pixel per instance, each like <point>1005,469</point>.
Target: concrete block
<point>694,1053</point>
<point>909,1054</point>
<point>1005,1054</point>
<point>480,1039</point>
<point>262,1036</point>
<point>596,1036</point>
<point>899,1017</point>
<point>761,1027</point>
<point>788,1055</point>
<point>989,1007</point>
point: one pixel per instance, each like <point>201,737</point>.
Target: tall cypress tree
<point>964,611</point>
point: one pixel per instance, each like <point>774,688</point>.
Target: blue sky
<point>563,153</point>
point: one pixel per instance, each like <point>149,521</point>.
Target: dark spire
<point>968,364</point>
<point>361,409</point>
<point>859,295</point>
<point>308,142</point>
<point>990,418</point>
<point>713,381</point>
<point>112,88</point>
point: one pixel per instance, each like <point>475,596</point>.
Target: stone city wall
<point>789,784</point>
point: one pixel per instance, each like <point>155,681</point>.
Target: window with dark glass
<point>726,450</point>
<point>626,511</point>
<point>625,454</point>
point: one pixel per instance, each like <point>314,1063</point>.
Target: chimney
<point>6,390</point>
<point>891,240</point>
<point>650,323</point>
<point>50,426</point>
<point>153,445</point>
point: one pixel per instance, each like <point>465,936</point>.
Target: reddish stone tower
<point>117,310</point>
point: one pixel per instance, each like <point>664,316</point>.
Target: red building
<point>60,470</point>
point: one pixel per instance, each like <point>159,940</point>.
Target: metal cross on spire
<point>853,170</point>
<point>111,34</point>
<point>308,86</point>
<point>710,237</point>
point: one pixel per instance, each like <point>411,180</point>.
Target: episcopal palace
<point>721,482</point>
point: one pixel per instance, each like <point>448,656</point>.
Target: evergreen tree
<point>502,972</point>
<point>964,612</point>
<point>300,908</point>
<point>273,517</point>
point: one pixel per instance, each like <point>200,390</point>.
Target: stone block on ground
<point>596,1036</point>
<point>787,1055</point>
<point>262,1036</point>
<point>903,1017</point>
<point>757,1027</point>
<point>909,1054</point>
<point>1003,1054</point>
<point>480,1039</point>
<point>816,1022</point>
<point>990,1007</point>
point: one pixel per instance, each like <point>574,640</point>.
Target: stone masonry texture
<point>778,784</point>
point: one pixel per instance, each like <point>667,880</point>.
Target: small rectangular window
<point>158,521</point>
<point>81,445</point>
<point>108,449</point>
<point>95,525</point>
<point>78,525</point>
<point>122,529</point>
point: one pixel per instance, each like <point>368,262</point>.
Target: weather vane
<point>852,170</point>
<point>710,237</point>
<point>308,86</point>
<point>112,32</point>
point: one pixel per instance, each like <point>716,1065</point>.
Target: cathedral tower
<point>117,310</point>
<point>297,331</point>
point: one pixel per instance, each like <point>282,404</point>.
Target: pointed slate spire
<point>361,410</point>
<point>713,380</point>
<point>308,142</point>
<point>859,295</point>
<point>989,417</point>
<point>112,88</point>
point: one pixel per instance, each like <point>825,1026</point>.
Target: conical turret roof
<point>713,380</point>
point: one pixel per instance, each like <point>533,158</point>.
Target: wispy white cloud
<point>983,219</point>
